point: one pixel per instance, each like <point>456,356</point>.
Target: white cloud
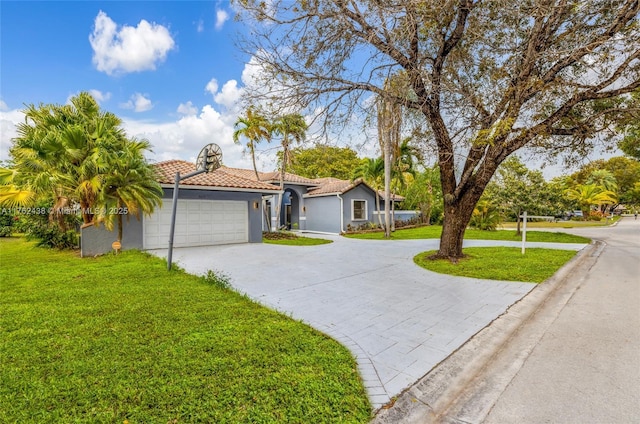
<point>184,138</point>
<point>8,121</point>
<point>229,95</point>
<point>212,86</point>
<point>138,102</point>
<point>200,25</point>
<point>100,96</point>
<point>128,49</point>
<point>187,109</point>
<point>221,17</point>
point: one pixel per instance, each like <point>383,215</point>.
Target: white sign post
<point>524,226</point>
<point>524,230</point>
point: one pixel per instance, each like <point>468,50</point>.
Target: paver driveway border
<point>397,319</point>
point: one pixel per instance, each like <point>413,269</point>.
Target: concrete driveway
<point>397,319</point>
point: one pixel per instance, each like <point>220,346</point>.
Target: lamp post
<point>209,159</point>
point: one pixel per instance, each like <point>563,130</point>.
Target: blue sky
<point>169,69</point>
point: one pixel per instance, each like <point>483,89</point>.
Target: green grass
<point>115,338</point>
<point>563,224</point>
<point>434,231</point>
<point>300,241</point>
<point>500,263</point>
<point>291,239</point>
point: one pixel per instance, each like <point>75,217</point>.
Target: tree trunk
<point>518,221</point>
<point>387,187</point>
<point>456,219</point>
<point>119,222</point>
<point>285,151</point>
<point>255,169</point>
<point>378,208</point>
<point>393,212</point>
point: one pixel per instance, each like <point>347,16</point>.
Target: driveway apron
<point>398,319</point>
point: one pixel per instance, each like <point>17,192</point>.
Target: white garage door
<point>198,223</point>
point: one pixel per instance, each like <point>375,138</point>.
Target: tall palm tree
<point>254,127</point>
<point>291,127</point>
<point>372,172</point>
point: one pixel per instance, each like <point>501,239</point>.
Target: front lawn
<point>434,231</point>
<point>500,263</point>
<point>118,338</point>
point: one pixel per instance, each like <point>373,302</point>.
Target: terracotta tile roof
<point>288,178</point>
<point>272,177</point>
<point>331,185</point>
<point>334,185</point>
<point>249,174</point>
<point>219,178</point>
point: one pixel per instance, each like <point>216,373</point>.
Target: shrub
<point>6,223</point>
<point>485,216</point>
<point>50,235</point>
<point>218,279</point>
<point>596,216</point>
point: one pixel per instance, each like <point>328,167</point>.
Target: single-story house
<point>328,205</point>
<point>228,205</point>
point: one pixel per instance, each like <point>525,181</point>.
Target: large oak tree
<point>488,77</point>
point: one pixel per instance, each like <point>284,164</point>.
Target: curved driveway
<point>398,319</point>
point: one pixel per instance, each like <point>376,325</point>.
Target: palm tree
<point>130,186</point>
<point>603,178</point>
<point>372,172</point>
<point>587,195</point>
<point>254,127</point>
<point>291,127</point>
<point>63,151</point>
<point>78,155</point>
<point>402,169</point>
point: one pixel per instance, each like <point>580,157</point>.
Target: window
<point>358,210</point>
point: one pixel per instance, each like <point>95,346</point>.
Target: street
<point>586,367</point>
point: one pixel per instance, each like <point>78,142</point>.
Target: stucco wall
<point>97,240</point>
<point>323,214</point>
<point>360,192</point>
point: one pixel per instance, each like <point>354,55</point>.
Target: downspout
<point>341,213</point>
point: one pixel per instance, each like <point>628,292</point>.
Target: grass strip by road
<point>500,263</point>
<point>291,239</point>
<point>563,224</point>
<point>434,231</point>
<point>117,338</point>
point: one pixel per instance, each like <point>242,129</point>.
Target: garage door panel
<point>198,223</point>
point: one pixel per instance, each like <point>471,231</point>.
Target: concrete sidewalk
<point>398,319</point>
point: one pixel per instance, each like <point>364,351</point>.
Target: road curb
<point>450,393</point>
